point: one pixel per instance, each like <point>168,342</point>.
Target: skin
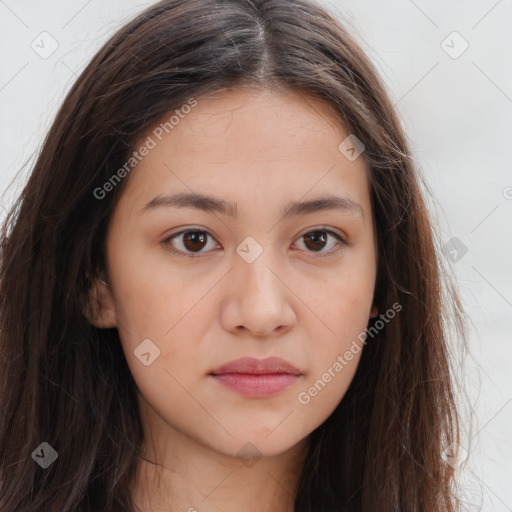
<point>263,150</point>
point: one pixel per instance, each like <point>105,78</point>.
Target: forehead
<point>256,123</point>
<point>250,144</point>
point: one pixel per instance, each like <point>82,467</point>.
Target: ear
<point>100,310</point>
<point>375,311</point>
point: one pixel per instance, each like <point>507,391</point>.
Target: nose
<point>258,299</point>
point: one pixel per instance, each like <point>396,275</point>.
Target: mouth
<point>257,378</point>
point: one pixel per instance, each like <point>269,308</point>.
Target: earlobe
<point>374,312</point>
<point>100,310</point>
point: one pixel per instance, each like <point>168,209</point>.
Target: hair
<point>67,383</point>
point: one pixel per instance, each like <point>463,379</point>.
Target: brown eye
<point>193,243</point>
<point>315,240</point>
<point>194,240</point>
<point>318,239</point>
<point>189,243</point>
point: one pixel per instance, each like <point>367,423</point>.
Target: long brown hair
<point>67,383</point>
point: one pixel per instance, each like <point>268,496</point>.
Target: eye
<point>317,239</point>
<point>191,242</point>
<point>194,241</point>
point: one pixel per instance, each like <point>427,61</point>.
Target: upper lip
<point>255,366</point>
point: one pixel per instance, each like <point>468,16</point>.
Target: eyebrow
<point>211,204</point>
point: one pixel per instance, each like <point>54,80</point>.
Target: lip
<point>253,366</point>
<point>257,378</point>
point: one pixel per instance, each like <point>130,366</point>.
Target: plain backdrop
<point>447,65</point>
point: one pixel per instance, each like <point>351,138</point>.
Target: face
<point>196,284</point>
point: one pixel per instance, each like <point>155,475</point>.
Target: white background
<point>457,113</point>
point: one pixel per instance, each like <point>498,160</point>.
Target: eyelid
<point>327,229</point>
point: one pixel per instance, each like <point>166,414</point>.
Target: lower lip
<point>257,386</point>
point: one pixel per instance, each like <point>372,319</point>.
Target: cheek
<point>337,336</point>
<point>153,299</point>
<point>173,312</point>
<point>334,359</point>
<point>343,305</point>
<point>175,322</point>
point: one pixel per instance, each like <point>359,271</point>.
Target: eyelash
<point>167,242</point>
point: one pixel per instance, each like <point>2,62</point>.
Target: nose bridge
<point>256,261</point>
<point>261,299</point>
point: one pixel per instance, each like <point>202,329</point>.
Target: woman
<point>243,365</point>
